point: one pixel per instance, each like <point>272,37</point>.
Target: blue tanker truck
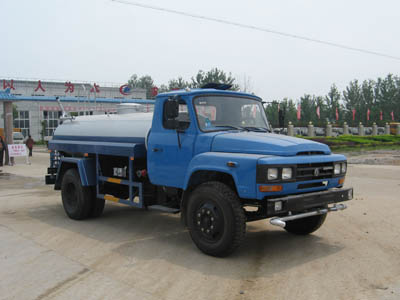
<point>207,153</point>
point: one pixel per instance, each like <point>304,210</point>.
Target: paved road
<point>134,254</point>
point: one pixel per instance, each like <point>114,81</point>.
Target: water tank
<point>123,128</point>
<point>127,108</point>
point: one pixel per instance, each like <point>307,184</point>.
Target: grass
<point>357,143</point>
<point>40,142</point>
<point>346,149</point>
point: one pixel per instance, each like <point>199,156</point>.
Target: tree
<point>144,82</point>
<point>368,100</point>
<point>353,100</point>
<point>174,84</point>
<point>387,96</point>
<point>213,76</point>
<point>15,112</point>
<point>163,88</point>
<point>272,113</point>
<point>44,129</point>
<point>323,111</point>
<point>288,108</point>
<point>178,84</point>
<point>332,103</point>
<point>382,95</point>
<point>308,109</point>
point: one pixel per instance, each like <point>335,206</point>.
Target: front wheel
<point>216,220</point>
<point>305,226</point>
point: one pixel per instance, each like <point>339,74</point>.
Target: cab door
<point>170,151</point>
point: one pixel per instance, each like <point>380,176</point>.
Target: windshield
<point>226,112</point>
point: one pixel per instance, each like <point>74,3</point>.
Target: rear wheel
<point>306,225</point>
<point>76,199</point>
<point>216,219</point>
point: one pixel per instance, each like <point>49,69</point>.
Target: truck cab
<point>210,154</point>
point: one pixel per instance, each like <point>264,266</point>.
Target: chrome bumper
<point>281,222</point>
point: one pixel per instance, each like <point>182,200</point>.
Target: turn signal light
<point>270,188</point>
<point>341,181</point>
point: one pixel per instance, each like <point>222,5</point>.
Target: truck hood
<point>265,143</point>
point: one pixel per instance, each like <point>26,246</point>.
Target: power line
<point>281,33</point>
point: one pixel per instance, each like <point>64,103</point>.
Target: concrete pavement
<point>134,254</point>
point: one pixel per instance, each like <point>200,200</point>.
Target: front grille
<point>310,185</point>
<point>314,171</point>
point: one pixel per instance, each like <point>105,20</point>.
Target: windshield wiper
<point>245,128</point>
<point>229,127</point>
<point>257,129</point>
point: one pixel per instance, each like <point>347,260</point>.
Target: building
<point>36,111</point>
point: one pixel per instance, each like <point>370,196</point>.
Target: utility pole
<point>8,128</point>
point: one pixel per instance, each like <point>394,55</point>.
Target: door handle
<point>157,150</point>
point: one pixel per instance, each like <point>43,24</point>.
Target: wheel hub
<point>208,221</point>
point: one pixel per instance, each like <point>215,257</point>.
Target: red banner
<point>368,113</point>
<point>337,114</point>
<point>354,114</point>
<point>392,114</point>
<point>381,116</point>
<point>298,112</point>
<point>318,113</point>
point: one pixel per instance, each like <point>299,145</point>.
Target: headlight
<point>272,173</point>
<point>337,169</point>
<point>344,167</point>
<point>287,173</point>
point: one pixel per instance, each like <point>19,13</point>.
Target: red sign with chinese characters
<point>154,91</point>
<point>8,85</point>
<point>70,87</point>
<point>40,87</point>
<point>95,88</point>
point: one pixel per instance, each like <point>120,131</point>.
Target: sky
<point>105,41</point>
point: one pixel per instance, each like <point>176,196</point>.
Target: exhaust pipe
<point>281,222</point>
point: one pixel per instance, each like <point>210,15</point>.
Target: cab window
<point>183,117</point>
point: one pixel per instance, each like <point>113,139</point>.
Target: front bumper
<point>281,222</point>
<point>305,202</point>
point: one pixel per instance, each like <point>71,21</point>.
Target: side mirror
<point>171,108</point>
<point>171,112</point>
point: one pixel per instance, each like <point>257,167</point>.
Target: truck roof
<point>193,92</point>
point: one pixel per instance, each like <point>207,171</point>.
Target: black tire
<point>97,205</point>
<point>216,220</point>
<point>306,225</point>
<point>76,199</point>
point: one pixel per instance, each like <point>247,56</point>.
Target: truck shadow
<point>149,235</point>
